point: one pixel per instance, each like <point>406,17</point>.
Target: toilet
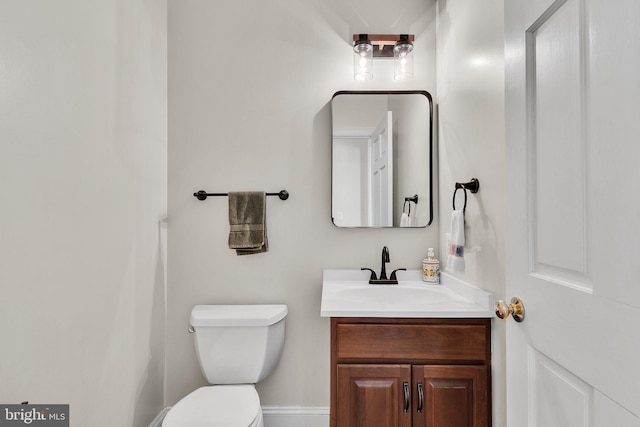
<point>237,346</point>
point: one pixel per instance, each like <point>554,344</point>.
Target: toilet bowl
<point>237,346</point>
<point>223,405</point>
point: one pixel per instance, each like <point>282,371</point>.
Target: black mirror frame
<point>430,141</point>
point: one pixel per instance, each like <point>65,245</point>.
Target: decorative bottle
<point>431,268</point>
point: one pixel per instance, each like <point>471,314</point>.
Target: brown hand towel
<point>247,222</point>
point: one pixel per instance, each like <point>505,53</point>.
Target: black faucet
<point>383,280</point>
<point>385,260</point>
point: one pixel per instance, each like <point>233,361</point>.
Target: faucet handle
<point>393,273</point>
<point>373,273</point>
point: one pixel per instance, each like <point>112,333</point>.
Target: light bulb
<point>363,59</point>
<point>403,64</point>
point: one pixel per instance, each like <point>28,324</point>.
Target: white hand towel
<point>405,220</point>
<point>455,243</point>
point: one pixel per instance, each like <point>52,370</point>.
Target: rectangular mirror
<point>381,159</point>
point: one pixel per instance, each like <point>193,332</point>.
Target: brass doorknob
<point>515,309</point>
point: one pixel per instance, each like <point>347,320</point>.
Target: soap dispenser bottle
<point>431,268</point>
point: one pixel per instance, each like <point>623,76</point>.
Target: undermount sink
<point>347,293</point>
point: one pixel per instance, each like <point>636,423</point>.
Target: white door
<point>573,237</point>
<point>381,173</point>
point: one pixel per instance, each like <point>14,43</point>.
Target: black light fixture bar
<point>383,43</point>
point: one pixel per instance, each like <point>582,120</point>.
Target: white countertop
<point>347,293</point>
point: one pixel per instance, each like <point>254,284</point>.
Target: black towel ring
<point>473,186</point>
<point>413,199</point>
<point>464,208</point>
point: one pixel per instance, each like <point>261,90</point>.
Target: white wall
<point>83,185</point>
<point>472,145</point>
<point>260,119</point>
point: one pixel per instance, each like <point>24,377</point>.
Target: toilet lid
<point>222,405</point>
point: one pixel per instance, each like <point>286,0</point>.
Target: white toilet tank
<point>238,344</point>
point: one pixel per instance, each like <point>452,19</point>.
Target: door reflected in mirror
<point>381,167</point>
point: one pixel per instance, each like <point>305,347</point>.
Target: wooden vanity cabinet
<point>410,372</point>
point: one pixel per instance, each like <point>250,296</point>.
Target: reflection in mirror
<point>381,159</point>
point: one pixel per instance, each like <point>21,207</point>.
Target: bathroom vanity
<point>409,354</point>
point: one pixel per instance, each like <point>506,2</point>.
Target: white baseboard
<point>295,416</point>
<point>279,416</point>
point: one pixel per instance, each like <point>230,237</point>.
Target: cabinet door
<point>451,395</point>
<point>370,395</point>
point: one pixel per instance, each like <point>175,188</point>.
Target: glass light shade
<point>363,60</point>
<point>403,60</point>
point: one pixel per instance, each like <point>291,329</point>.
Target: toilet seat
<point>217,406</point>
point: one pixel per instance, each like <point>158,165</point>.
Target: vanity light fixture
<point>366,47</point>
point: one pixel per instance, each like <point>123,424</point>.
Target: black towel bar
<point>202,195</point>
